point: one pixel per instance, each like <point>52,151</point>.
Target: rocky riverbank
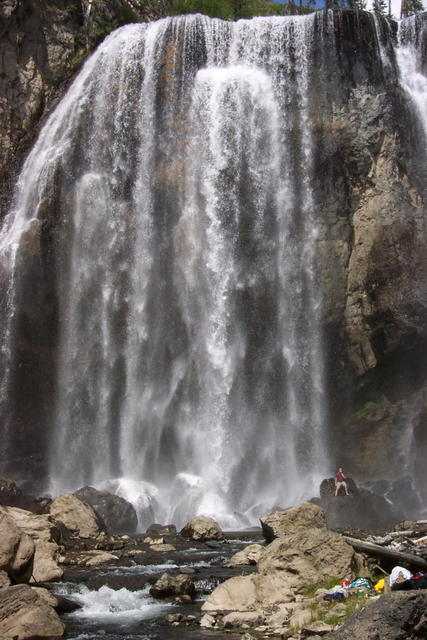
<point>63,572</point>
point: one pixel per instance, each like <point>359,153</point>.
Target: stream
<point>115,601</point>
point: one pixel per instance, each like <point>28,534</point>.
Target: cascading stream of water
<point>409,58</point>
<point>178,174</point>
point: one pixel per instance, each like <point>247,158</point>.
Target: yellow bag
<point>380,585</point>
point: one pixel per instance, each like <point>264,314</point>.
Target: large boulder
<point>287,567</point>
<point>16,550</point>
<point>282,523</point>
<point>395,616</point>
<point>39,527</point>
<point>78,516</point>
<point>46,558</point>
<point>117,513</point>
<point>45,532</point>
<point>362,509</point>
<point>24,614</point>
<point>170,585</point>
<point>202,528</point>
<point>250,555</point>
<point>311,557</point>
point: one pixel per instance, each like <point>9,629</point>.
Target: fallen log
<point>383,552</point>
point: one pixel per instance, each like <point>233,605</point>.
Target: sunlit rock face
<point>216,246</point>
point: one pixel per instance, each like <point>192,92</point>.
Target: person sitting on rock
<point>340,482</point>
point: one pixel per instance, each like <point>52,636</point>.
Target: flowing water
<point>178,177</point>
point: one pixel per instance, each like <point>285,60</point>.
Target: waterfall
<point>409,54</point>
<point>169,215</point>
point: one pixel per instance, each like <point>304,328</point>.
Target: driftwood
<point>383,552</point>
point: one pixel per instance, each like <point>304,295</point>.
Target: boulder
<point>159,530</point>
<point>240,618</point>
<point>202,528</point>
<point>362,509</point>
<point>16,550</point>
<point>39,527</point>
<point>170,585</point>
<point>394,616</point>
<point>327,488</point>
<point>24,614</point>
<point>162,547</point>
<point>94,558</point>
<point>46,595</point>
<point>235,594</point>
<point>12,496</point>
<point>316,628</point>
<point>310,557</point>
<point>287,567</point>
<point>77,515</point>
<point>282,523</point>
<point>118,514</point>
<point>46,559</point>
<point>250,555</point>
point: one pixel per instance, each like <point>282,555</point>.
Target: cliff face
<point>373,150</point>
<point>369,194</point>
<point>43,43</point>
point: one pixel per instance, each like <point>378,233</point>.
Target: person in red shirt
<point>340,482</point>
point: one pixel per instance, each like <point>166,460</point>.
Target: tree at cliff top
<point>410,7</point>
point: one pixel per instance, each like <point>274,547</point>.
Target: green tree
<point>379,7</point>
<point>357,4</point>
<point>238,9</point>
<point>409,7</point>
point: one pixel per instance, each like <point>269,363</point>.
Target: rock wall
<point>375,310</point>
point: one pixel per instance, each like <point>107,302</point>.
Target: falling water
<point>178,175</point>
<point>409,55</point>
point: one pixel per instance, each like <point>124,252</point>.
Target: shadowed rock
<point>117,513</point>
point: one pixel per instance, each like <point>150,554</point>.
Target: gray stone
<point>202,528</point>
<point>78,516</point>
<point>173,585</point>
<point>282,523</point>
<point>24,614</point>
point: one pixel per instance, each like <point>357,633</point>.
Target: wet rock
<point>173,585</point>
<point>149,540</point>
<point>162,547</point>
<point>92,558</point>
<point>65,605</point>
<point>250,555</point>
<point>202,528</point>
<point>24,614</point>
<point>118,514</point>
<point>174,617</point>
<point>282,523</point>
<point>394,616</point>
<point>78,516</point>
<point>159,530</point>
